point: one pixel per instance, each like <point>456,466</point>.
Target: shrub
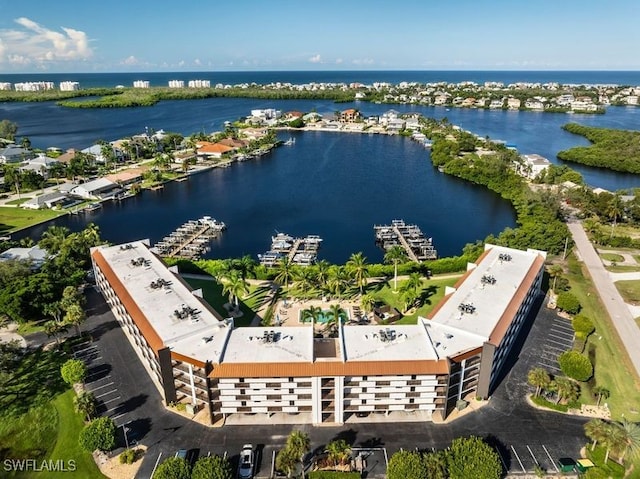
<point>575,365</point>
<point>98,434</point>
<point>73,371</point>
<point>583,326</point>
<point>406,465</point>
<point>568,302</point>
<point>128,456</point>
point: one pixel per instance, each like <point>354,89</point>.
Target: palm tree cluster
<point>296,448</point>
<point>324,278</point>
<point>621,438</point>
<point>565,389</point>
<point>233,277</point>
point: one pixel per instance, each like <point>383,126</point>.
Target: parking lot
<point>559,338</point>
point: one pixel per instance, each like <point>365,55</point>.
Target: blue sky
<point>237,35</point>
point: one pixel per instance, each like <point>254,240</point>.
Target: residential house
<point>206,149</point>
<point>349,115</point>
<point>513,103</point>
<point>47,200</point>
<point>126,177</point>
<point>35,255</point>
<point>100,189</point>
<point>534,165</point>
<point>41,165</point>
<point>13,153</point>
<point>496,104</point>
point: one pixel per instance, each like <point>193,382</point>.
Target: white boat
<point>290,141</point>
<point>93,206</point>
<point>281,237</point>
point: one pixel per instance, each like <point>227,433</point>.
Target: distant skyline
<point>251,35</point>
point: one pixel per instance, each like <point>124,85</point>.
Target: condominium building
<point>69,86</point>
<point>419,371</point>
<point>141,84</point>
<point>199,84</point>
<point>176,83</point>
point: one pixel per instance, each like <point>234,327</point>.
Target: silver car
<point>245,466</point>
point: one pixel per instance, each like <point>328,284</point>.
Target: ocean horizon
<point>112,79</point>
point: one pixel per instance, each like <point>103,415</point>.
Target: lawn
<point>12,219</point>
<point>432,293</point>
<point>623,269</point>
<point>621,379</point>
<point>612,257</point>
<point>249,305</point>
<point>630,290</point>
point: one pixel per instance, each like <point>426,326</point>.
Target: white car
<point>245,465</point>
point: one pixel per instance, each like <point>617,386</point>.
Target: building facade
<point>419,372</point>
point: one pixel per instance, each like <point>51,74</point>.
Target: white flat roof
<point>453,328</point>
<point>374,343</point>
<point>292,344</point>
<point>200,335</point>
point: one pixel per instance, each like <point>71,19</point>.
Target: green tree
<point>75,316</point>
<point>73,371</point>
<point>53,238</point>
<point>284,272</point>
<point>406,465</point>
<point>8,130</point>
<point>567,390</point>
<point>472,458</point>
<point>436,464</point>
<point>53,329</point>
<point>311,314</point>
<point>357,265</point>
<point>322,269</point>
<point>338,281</point>
<point>583,326</point>
<point>99,434</point>
<point>601,393</point>
<point>85,404</point>
<point>246,265</point>
<point>286,461</point>
<point>299,444</point>
<point>173,468</point>
<point>338,452</point>
<point>395,255</point>
<point>368,302</point>
<point>336,314</point>
<point>575,365</point>
<point>568,302</point>
<point>235,286</point>
<point>539,378</point>
<point>212,467</point>
<point>305,280</point>
<point>595,430</point>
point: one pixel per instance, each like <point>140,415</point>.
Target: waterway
<point>336,185</point>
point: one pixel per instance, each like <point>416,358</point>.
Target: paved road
<point>523,435</point>
<point>621,317</point>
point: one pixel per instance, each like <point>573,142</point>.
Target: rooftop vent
<point>467,308</point>
<point>488,279</point>
<point>504,257</point>
<point>124,247</point>
<point>387,335</point>
<point>138,261</point>
<point>270,336</point>
<point>186,312</point>
<point>207,339</point>
<point>159,283</point>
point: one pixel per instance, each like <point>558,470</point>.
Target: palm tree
<point>595,430</point>
<point>286,461</point>
<point>75,316</point>
<point>85,404</point>
<point>322,273</point>
<point>567,389</point>
<point>631,438</point>
<point>245,265</point>
<point>234,286</point>
<point>311,314</point>
<point>614,439</point>
<point>614,210</point>
<point>555,271</point>
<point>338,452</point>
<point>395,255</point>
<point>305,279</point>
<point>54,328</point>
<point>601,392</point>
<point>54,310</point>
<point>368,302</point>
<point>285,269</point>
<point>299,444</point>
<point>338,281</point>
<point>357,264</point>
<point>539,378</point>
<point>336,314</point>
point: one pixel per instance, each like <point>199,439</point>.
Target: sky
<point>259,35</point>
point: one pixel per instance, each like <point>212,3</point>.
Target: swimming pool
<point>323,316</point>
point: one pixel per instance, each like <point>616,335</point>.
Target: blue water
<point>331,184</point>
<point>89,80</point>
<point>323,317</point>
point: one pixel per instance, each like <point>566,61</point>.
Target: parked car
<point>181,454</point>
<point>245,465</point>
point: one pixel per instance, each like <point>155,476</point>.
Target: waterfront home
<point>67,156</point>
<point>35,256</point>
<point>534,165</point>
<point>126,177</point>
<point>47,200</point>
<point>206,149</point>
<point>349,115</point>
<point>41,165</point>
<point>312,117</point>
<point>100,189</point>
<point>533,104</point>
<point>395,125</point>
<point>234,143</point>
<point>253,133</point>
<point>496,104</point>
<point>513,103</point>
<point>97,152</point>
<point>13,153</point>
<point>292,115</point>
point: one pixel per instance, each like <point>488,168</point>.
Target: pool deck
<point>288,314</point>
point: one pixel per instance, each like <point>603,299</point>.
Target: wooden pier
<point>300,251</point>
<point>415,244</point>
<point>190,240</point>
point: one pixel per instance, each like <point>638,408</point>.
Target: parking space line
<point>567,331</point>
<point>518,458</point>
<point>111,400</point>
<point>80,351</point>
<point>532,455</point>
<point>100,387</point>
<point>553,463</point>
<point>118,416</point>
<point>102,395</point>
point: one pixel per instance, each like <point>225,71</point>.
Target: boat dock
<point>300,251</point>
<point>191,240</point>
<point>417,246</point>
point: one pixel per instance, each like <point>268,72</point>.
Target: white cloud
<point>130,60</point>
<point>339,61</point>
<point>34,43</point>
<point>315,59</point>
<point>197,62</point>
<point>363,61</point>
